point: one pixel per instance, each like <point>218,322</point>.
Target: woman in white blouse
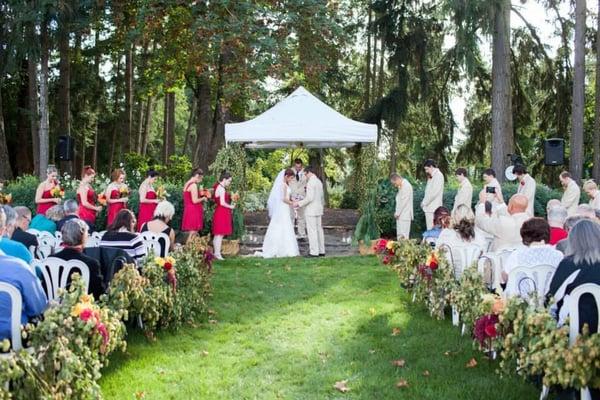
<point>462,231</point>
<point>492,187</point>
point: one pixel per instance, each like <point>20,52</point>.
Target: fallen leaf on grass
<point>402,383</point>
<point>472,363</point>
<point>426,373</point>
<point>372,351</point>
<point>399,363</point>
<point>450,353</point>
<point>204,353</point>
<point>395,331</point>
<point>372,311</point>
<point>212,321</point>
<point>341,386</point>
<point>140,395</point>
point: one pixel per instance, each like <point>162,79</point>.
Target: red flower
<point>386,260</point>
<point>391,252</point>
<point>432,262</point>
<point>490,330</point>
<point>168,266</point>
<point>522,183</point>
<point>86,314</point>
<point>381,245</point>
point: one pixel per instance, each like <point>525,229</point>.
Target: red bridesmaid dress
<point>146,212</point>
<point>192,213</point>
<point>85,213</point>
<point>114,208</point>
<point>43,207</point>
<point>222,219</point>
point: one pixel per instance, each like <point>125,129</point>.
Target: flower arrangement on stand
<point>467,296</point>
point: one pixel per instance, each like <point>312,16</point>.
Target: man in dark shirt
<point>70,206</point>
<point>21,226</point>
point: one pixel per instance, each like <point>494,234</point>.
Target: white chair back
<point>153,242</point>
<point>94,239</point>
<point>496,262</point>
<point>462,257</point>
<point>33,232</point>
<point>524,280</point>
<point>572,306</point>
<point>46,245</point>
<point>56,273</point>
<point>16,307</point>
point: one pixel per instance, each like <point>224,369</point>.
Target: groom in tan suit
<point>313,211</point>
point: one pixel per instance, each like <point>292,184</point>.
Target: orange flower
<point>235,197</point>
<point>102,199</point>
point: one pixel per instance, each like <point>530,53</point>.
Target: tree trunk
<point>596,170</point>
<point>147,125</point>
<point>394,151</point>
<point>204,126</point>
<point>502,124</point>
<point>139,126</point>
<point>171,125</point>
<point>97,100</point>
<point>32,94</point>
<point>381,70</point>
<point>373,83</point>
<point>166,108</point>
<point>576,158</point>
<point>5,170</point>
<point>368,67</point>
<point>44,128</point>
<point>116,124</point>
<point>190,126</point>
<point>128,112</point>
<point>64,83</point>
<point>23,161</point>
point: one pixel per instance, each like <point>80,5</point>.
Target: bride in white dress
<point>280,239</point>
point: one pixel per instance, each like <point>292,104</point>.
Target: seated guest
<point>74,236</point>
<point>121,234</point>
<point>48,222</point>
<point>11,247</point>
<point>553,203</point>
<point>463,231</point>
<point>535,233</point>
<point>504,223</point>
<point>569,224</point>
<point>70,209</point>
<point>581,265</point>
<point>587,211</point>
<point>591,189</point>
<point>20,233</point>
<point>15,272</point>
<point>556,219</point>
<point>163,214</point>
<point>441,220</point>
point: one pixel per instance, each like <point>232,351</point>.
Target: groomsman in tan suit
<point>570,198</point>
<point>464,194</point>
<point>298,189</point>
<point>313,212</point>
<point>404,206</point>
<point>526,187</point>
<point>434,191</point>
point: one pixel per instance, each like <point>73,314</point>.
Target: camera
<point>490,189</point>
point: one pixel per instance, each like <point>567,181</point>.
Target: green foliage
<point>366,178</point>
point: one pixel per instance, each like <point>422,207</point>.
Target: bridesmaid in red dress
<point>148,199</point>
<point>193,210</point>
<point>222,219</point>
<point>86,197</point>
<point>116,194</point>
<point>43,194</point>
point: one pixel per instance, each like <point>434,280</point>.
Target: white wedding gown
<point>280,239</point>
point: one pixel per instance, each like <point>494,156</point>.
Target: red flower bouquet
<point>485,329</point>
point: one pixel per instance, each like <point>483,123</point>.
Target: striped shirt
<point>132,243</point>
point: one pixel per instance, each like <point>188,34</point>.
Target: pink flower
<point>386,260</point>
<point>101,328</point>
<point>86,314</point>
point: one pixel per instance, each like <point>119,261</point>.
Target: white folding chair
<point>56,273</point>
<point>497,261</point>
<point>94,239</point>
<point>46,245</point>
<point>33,232</point>
<point>571,304</point>
<point>16,307</point>
<point>153,243</point>
<point>522,281</point>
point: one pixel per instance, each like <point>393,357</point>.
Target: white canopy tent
<point>300,120</point>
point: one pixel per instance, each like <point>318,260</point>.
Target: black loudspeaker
<point>554,151</point>
<point>65,147</point>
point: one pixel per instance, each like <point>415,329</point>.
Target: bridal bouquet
<point>123,192</point>
<point>235,197</point>
<point>204,193</point>
<point>102,199</point>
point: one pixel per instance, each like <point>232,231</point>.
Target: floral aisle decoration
<point>68,349</point>
<point>467,296</point>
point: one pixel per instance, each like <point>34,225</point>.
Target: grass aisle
<point>291,329</point>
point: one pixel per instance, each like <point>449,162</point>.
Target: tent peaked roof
<point>301,119</point>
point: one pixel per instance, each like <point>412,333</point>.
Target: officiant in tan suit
<point>298,189</point>
<point>313,212</point>
<point>570,198</point>
<point>434,191</point>
<point>404,206</point>
<point>464,194</point>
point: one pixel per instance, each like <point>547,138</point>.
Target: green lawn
<point>291,329</point>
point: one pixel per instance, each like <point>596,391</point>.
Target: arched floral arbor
<point>302,120</point>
